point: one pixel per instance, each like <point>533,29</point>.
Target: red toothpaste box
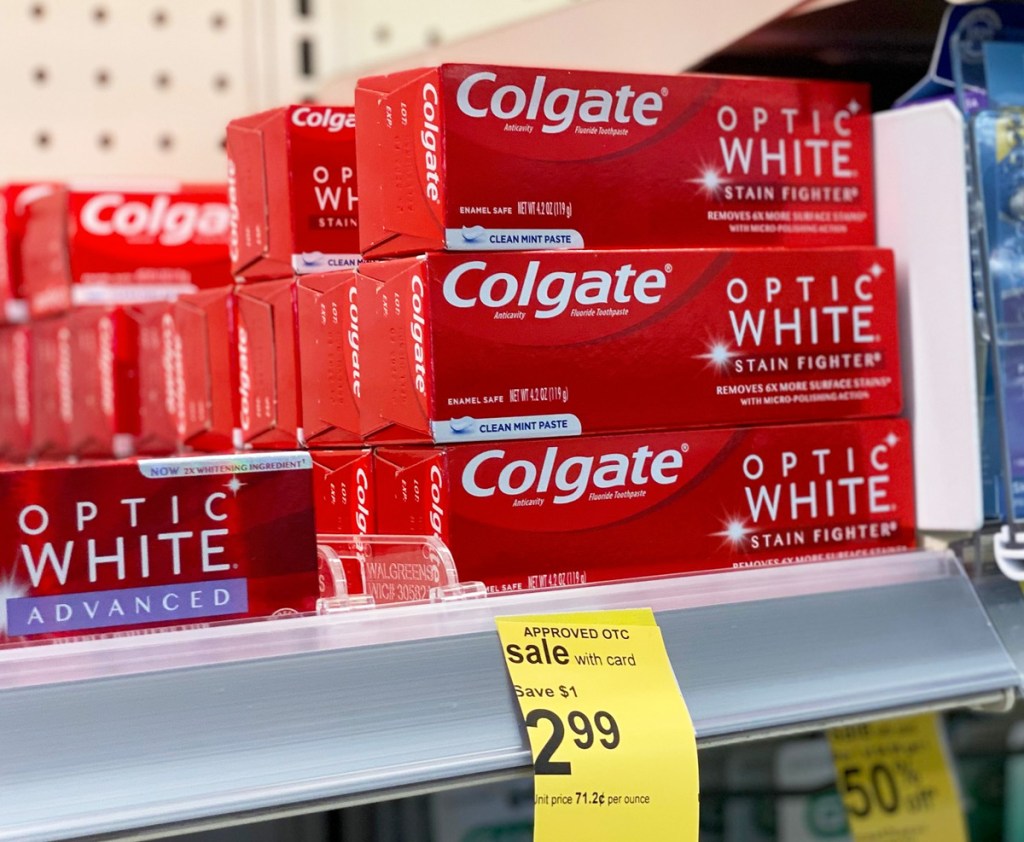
<point>45,266</point>
<point>269,397</point>
<point>343,500</point>
<point>15,393</point>
<point>14,200</point>
<point>116,546</point>
<point>299,361</point>
<point>124,245</point>
<point>105,382</point>
<point>206,369</point>
<point>327,309</point>
<point>292,189</point>
<point>158,381</point>
<point>473,157</point>
<point>50,379</point>
<point>343,491</point>
<point>536,344</point>
<point>535,514</point>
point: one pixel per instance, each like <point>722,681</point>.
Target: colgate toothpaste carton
<point>114,546</point>
<point>206,369</point>
<point>535,344</point>
<point>14,200</point>
<point>50,378</point>
<point>15,393</point>
<point>343,491</point>
<point>535,514</point>
<point>299,361</point>
<point>157,370</point>
<point>472,157</point>
<point>125,244</point>
<point>269,397</point>
<point>292,189</point>
<point>329,329</point>
<point>343,500</point>
<point>45,262</point>
<point>105,382</point>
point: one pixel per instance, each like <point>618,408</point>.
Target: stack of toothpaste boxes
<point>98,267</point>
<point>294,244</point>
<point>105,528</point>
<point>617,326</point>
<point>580,326</point>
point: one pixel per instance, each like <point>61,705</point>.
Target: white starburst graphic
<point>9,589</point>
<point>853,106</point>
<point>710,180</point>
<point>735,532</point>
<point>892,440</point>
<point>876,269</point>
<point>233,485</point>
<point>718,355</point>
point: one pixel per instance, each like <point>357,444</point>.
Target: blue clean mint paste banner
<point>513,426</point>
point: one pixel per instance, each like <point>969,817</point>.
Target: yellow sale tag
<point>614,751</point>
<point>896,782</point>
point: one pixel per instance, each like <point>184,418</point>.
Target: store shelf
<point>1004,601</point>
<point>193,726</point>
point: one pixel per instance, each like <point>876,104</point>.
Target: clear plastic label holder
<point>367,571</point>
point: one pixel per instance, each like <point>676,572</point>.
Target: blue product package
<point>957,67</point>
<point>998,138</point>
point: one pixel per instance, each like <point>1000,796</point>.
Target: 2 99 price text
<point>602,731</point>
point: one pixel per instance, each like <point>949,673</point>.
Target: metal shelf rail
<point>145,734</point>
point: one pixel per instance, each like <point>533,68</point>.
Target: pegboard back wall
<point>140,88</point>
<point>144,88</point>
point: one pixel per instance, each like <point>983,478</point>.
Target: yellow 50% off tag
<point>896,782</point>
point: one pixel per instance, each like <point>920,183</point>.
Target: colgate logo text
<point>327,118</point>
<point>572,476</point>
<point>105,338</point>
<point>353,339</point>
<point>559,107</point>
<point>362,501</point>
<point>417,322</point>
<point>232,211</point>
<point>168,222</point>
<point>429,141</point>
<point>244,380</point>
<point>179,384</point>
<point>65,403</point>
<point>552,293</point>
<point>167,363</point>
<point>20,375</point>
<point>436,516</point>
